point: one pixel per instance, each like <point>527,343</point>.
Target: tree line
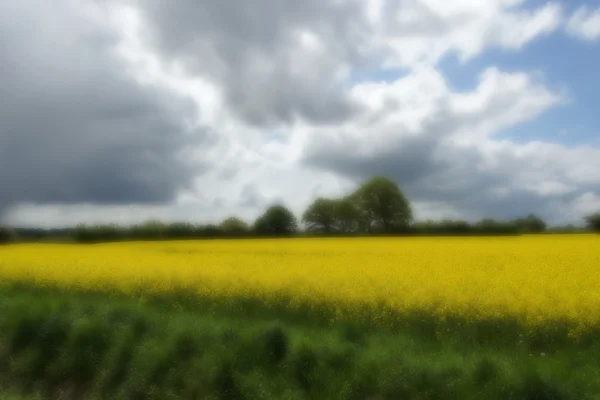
<point>378,207</point>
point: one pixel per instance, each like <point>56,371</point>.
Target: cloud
<point>417,32</point>
<point>211,108</point>
<point>274,60</point>
<point>75,127</point>
<point>441,146</point>
<point>585,24</point>
<point>251,197</point>
<point>278,61</point>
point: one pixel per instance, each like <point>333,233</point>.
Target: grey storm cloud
<point>437,172</point>
<point>453,158</point>
<point>74,127</point>
<point>251,197</point>
<point>253,50</point>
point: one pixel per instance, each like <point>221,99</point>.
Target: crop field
<point>536,279</point>
<point>345,318</point>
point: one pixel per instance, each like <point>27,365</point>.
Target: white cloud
<point>585,24</point>
<point>586,204</point>
<point>421,107</point>
<point>415,32</point>
<point>269,82</point>
<point>442,146</point>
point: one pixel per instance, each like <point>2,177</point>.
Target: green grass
<point>10,395</point>
<point>70,344</point>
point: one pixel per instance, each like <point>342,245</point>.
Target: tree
<point>492,227</point>
<point>382,206</point>
<point>530,224</point>
<point>209,231</point>
<point>7,235</point>
<point>179,230</point>
<point>321,215</point>
<point>277,220</point>
<point>444,227</point>
<point>82,233</point>
<point>234,226</point>
<point>98,233</point>
<point>151,229</point>
<point>593,222</point>
<point>348,216</point>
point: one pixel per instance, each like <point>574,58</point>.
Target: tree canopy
<point>382,206</point>
<point>593,222</point>
<point>321,215</point>
<point>234,226</point>
<point>277,220</point>
<point>530,224</point>
<point>378,206</point>
<point>7,235</point>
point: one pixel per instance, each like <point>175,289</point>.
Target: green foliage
<point>444,227</point>
<point>494,227</point>
<point>227,383</point>
<point>348,216</point>
<point>39,234</point>
<point>305,365</point>
<point>593,222</point>
<point>99,233</point>
<point>382,206</point>
<point>483,227</point>
<point>376,207</point>
<point>86,345</point>
<point>276,344</point>
<point>207,231</point>
<point>149,230</point>
<point>530,224</point>
<point>567,229</point>
<point>276,221</point>
<point>485,371</point>
<point>7,235</point>
<point>321,215</point>
<point>179,230</point>
<point>234,226</point>
<point>533,387</point>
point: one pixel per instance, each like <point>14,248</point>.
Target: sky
<point>119,111</point>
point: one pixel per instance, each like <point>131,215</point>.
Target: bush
<point>566,229</point>
<point>179,230</point>
<point>593,222</point>
<point>276,344</point>
<point>446,227</point>
<point>493,227</point>
<point>305,366</point>
<point>234,226</point>
<point>99,233</point>
<point>208,231</point>
<point>150,230</point>
<point>483,227</point>
<point>7,235</point>
<point>531,224</point>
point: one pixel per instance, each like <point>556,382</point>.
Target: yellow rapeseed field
<point>537,278</point>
